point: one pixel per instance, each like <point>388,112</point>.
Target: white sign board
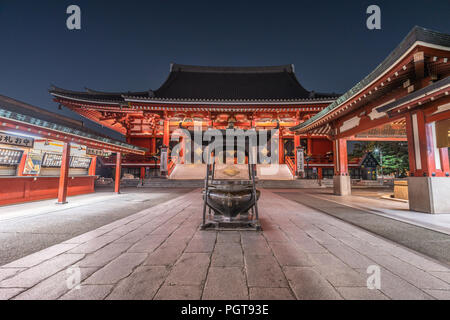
<point>300,160</point>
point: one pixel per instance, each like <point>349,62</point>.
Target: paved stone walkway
<point>159,253</point>
<point>423,240</point>
<point>30,227</point>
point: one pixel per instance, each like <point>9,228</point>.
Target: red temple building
<point>44,155</point>
<point>407,93</point>
<point>250,97</point>
<point>406,98</point>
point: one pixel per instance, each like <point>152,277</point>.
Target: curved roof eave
<point>416,35</point>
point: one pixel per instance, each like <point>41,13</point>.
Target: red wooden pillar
<point>309,145</point>
<point>340,157</point>
<point>411,144</point>
<point>142,175</point>
<point>166,134</point>
<point>118,172</point>
<point>341,179</point>
<point>421,147</point>
<point>280,147</point>
<point>296,145</point>
<point>93,166</point>
<point>427,190</point>
<point>153,145</point>
<point>64,174</point>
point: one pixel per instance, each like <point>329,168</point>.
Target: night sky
<point>128,45</point>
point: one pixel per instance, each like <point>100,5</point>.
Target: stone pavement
<point>365,213</point>
<point>29,227</point>
<point>159,253</point>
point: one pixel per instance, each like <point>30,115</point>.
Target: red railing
<point>290,163</point>
<point>173,160</point>
<point>318,158</point>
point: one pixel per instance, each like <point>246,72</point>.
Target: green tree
<point>395,155</point>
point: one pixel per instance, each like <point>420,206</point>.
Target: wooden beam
<point>419,65</point>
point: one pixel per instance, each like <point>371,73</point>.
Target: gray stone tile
<point>251,237</point>
<point>40,256</point>
<point>334,231</point>
<point>94,244</point>
<point>85,237</point>
<point>225,283</point>
<point>289,254</point>
<point>133,236</point>
<point>439,294</point>
<point>307,284</point>
<point>442,275</point>
<point>117,269</point>
<point>321,236</point>
<point>275,235</point>
<point>257,293</point>
<point>6,273</point>
<point>413,275</point>
<point>308,244</point>
<point>398,289</point>
<point>164,256</point>
<point>348,255</point>
<point>264,271</point>
<point>54,287</point>
<point>228,236</point>
<point>257,247</point>
<point>190,270</point>
<point>88,292</point>
<point>363,247</point>
<point>337,272</point>
<point>8,293</point>
<point>227,255</point>
<point>417,260</point>
<point>121,230</point>
<point>104,255</point>
<point>36,274</point>
<point>142,284</point>
<point>201,245</point>
<point>361,293</point>
<point>148,244</point>
<point>166,229</point>
<point>179,293</point>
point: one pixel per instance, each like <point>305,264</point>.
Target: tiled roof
<point>416,34</point>
<point>233,83</point>
<point>213,84</point>
<point>92,95</point>
<point>23,112</point>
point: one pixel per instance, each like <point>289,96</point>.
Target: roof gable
<point>369,161</point>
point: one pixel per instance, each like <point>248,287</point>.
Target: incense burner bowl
<point>230,198</point>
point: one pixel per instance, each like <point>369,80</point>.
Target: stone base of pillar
<point>342,185</point>
<point>429,194</point>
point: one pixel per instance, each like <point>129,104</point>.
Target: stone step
<point>267,184</point>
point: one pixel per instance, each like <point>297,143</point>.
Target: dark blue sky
<point>128,45</point>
